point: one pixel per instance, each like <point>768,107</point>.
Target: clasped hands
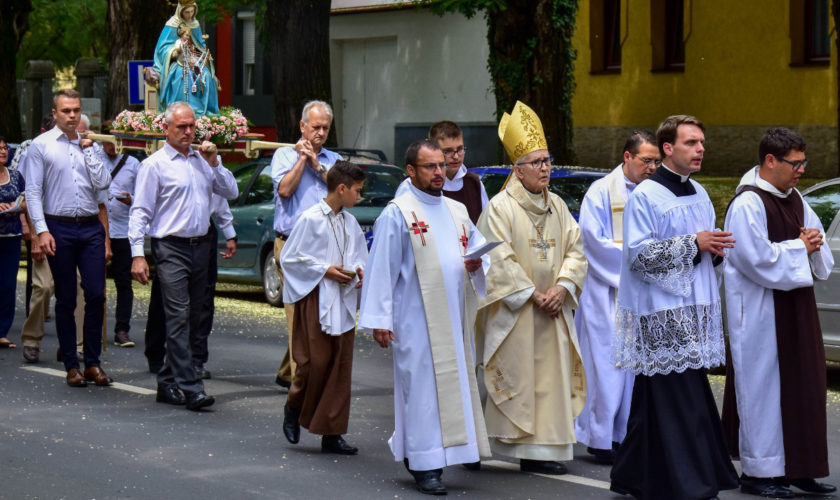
<point>305,149</point>
<point>812,238</point>
<point>336,273</point>
<point>550,302</point>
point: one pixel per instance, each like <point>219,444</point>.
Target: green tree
<point>531,59</point>
<point>14,18</point>
<point>64,30</point>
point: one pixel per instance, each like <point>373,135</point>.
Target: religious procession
<point>522,330</point>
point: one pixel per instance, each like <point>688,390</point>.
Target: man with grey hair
<point>172,195</point>
<point>299,176</point>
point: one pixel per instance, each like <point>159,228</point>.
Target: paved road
<point>62,442</point>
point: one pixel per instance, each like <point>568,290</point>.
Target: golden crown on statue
<point>186,2</point>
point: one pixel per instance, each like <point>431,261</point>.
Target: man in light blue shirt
<point>299,176</point>
<point>63,182</point>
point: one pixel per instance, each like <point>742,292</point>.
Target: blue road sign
<point>136,94</point>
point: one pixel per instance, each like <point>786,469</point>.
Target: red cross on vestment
<point>464,239</point>
<point>419,227</point>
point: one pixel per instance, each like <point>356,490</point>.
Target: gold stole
<point>435,305</point>
<point>617,202</point>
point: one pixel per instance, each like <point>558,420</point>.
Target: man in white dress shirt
<point>602,424</point>
<point>174,187</point>
<point>123,169</point>
<point>64,178</point>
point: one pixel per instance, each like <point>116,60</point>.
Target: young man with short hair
<point>323,261</point>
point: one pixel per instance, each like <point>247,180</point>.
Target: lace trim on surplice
<point>668,264</point>
<point>685,337</point>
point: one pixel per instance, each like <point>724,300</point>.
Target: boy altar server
<point>322,264</point>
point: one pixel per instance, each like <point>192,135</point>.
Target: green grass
<point>722,189</point>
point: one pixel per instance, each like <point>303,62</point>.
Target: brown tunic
<point>321,386</point>
<point>801,358</point>
<point>469,195</point>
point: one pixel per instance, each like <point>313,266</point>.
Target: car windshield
<point>825,202</point>
<point>381,183</point>
<point>261,186</point>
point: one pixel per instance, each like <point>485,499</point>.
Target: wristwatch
<point>322,169</point>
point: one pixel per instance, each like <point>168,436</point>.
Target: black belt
<point>283,237</point>
<point>75,218</point>
<point>194,241</point>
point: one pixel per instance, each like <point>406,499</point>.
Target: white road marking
<point>570,478</point>
<point>116,385</point>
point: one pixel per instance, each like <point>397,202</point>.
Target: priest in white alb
<point>418,295</point>
<point>525,334</point>
<point>602,424</point>
<point>323,261</point>
<point>775,397</point>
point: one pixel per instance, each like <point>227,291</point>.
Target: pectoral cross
<point>464,239</point>
<point>419,227</point>
<point>541,244</point>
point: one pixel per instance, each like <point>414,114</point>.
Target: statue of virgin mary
<point>184,64</point>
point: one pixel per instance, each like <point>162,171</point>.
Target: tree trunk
<point>530,61</point>
<point>134,27</point>
<point>14,21</point>
<point>299,38</point>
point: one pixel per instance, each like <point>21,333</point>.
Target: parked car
<point>570,183</point>
<point>824,199</point>
<point>253,219</point>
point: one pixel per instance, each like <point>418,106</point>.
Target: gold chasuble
<point>533,372</point>
<point>436,312</point>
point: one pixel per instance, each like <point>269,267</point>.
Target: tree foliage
<point>14,19</point>
<point>531,59</point>
<point>64,30</point>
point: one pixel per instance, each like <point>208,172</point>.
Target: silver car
<point>824,199</point>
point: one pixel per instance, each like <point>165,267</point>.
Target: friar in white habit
<point>526,334</point>
<point>670,329</point>
<point>415,299</point>
<point>777,374</point>
<point>602,424</point>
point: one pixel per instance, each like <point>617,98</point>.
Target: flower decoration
<point>224,128</point>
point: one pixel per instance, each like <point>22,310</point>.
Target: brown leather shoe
<point>75,378</point>
<point>96,375</point>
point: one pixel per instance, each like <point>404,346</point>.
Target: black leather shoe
<point>812,486</point>
<point>198,400</point>
<point>291,426</point>
<point>472,465</point>
<point>282,382</point>
<point>337,445</point>
<point>202,373</point>
<point>764,487</point>
<point>170,395</point>
<point>429,482</point>
<point>542,467</point>
<point>606,457</point>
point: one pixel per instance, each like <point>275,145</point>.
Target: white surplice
<point>320,239</point>
<point>669,314</point>
<point>753,269</point>
<point>609,389</point>
<point>392,300</point>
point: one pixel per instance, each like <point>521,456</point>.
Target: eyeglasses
<point>4,148</point>
<point>449,153</point>
<point>433,166</point>
<point>538,163</point>
<point>647,161</point>
<point>803,164</point>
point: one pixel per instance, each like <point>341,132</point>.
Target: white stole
<point>617,190</point>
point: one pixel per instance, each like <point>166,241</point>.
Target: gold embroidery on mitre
<point>521,132</point>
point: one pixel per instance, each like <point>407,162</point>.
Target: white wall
<point>406,66</point>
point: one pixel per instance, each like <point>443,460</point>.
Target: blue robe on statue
<point>199,90</point>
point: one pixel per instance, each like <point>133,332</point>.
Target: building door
<point>369,109</point>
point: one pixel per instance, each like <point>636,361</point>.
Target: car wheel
<point>272,281</point>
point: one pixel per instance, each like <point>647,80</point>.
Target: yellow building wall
<point>737,79</point>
